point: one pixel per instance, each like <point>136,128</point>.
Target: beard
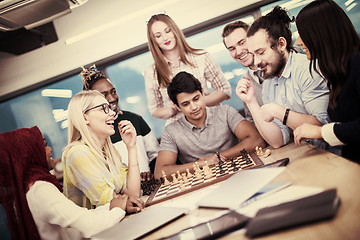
<point>277,66</point>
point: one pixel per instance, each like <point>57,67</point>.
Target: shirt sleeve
<point>327,133</point>
<point>91,176</point>
<point>151,145</point>
<point>48,204</point>
<point>285,130</point>
<point>315,95</point>
<point>150,141</point>
<point>233,117</point>
<point>168,142</point>
<point>215,76</point>
<point>152,88</point>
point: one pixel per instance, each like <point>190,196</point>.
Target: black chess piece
<point>233,164</point>
<point>244,154</point>
<point>220,161</point>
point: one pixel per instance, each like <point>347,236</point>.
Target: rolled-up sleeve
<point>152,88</point>
<point>89,175</point>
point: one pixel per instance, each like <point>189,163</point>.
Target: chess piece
<point>189,175</point>
<point>182,185</point>
<point>198,174</point>
<point>166,182</point>
<point>184,178</point>
<point>206,167</point>
<point>244,154</point>
<point>198,169</point>
<point>179,177</point>
<point>267,153</point>
<point>208,173</point>
<point>174,178</point>
<point>261,151</point>
<point>220,161</point>
<point>233,164</point>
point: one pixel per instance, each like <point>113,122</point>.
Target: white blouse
<point>57,217</point>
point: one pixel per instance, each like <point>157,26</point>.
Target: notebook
<point>231,193</point>
<point>142,223</point>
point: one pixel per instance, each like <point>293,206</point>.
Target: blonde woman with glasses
<point>93,170</point>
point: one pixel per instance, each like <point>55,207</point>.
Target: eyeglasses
<point>105,107</point>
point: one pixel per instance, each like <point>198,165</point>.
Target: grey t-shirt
<point>191,142</point>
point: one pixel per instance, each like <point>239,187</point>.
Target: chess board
<point>220,172</point>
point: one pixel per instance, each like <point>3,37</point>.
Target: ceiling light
<point>62,93</point>
<point>119,20</point>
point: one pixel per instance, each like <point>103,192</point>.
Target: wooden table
<point>309,166</point>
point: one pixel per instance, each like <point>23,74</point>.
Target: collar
<point>208,120</point>
<point>287,70</point>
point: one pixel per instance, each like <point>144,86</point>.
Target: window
<point>48,112</point>
<point>129,73</point>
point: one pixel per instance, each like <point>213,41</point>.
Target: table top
<point>308,166</point>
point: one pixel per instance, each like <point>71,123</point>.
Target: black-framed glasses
<point>105,107</point>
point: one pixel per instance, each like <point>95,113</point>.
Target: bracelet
<point>286,116</point>
<point>133,165</point>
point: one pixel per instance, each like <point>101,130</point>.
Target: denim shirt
<point>298,90</point>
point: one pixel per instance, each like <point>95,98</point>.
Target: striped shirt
<point>206,70</point>
<point>88,182</point>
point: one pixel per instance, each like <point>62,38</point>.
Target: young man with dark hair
<point>202,133</point>
<point>291,94</point>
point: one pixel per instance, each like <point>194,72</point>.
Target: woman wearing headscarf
<point>33,200</point>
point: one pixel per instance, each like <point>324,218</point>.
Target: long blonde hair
<point>79,131</point>
<point>163,71</point>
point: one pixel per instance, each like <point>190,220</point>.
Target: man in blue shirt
<point>291,94</point>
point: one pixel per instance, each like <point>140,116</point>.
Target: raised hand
<point>245,89</point>
<point>128,133</point>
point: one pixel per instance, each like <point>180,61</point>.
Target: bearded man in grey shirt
<point>202,132</point>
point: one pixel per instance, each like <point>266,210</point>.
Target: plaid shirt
<point>206,70</point>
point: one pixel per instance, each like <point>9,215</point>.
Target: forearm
<point>249,144</point>
<point>215,98</point>
<point>48,204</point>
<point>294,119</point>
<point>133,177</point>
<point>268,130</point>
<point>164,112</point>
<point>173,168</point>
